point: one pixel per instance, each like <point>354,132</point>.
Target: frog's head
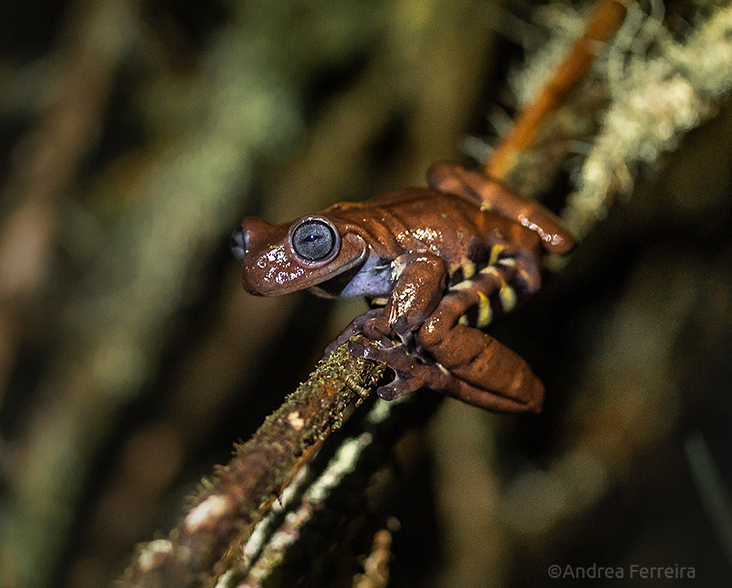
<point>278,259</point>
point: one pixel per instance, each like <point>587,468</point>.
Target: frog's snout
<point>238,243</point>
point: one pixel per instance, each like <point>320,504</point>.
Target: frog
<point>438,263</point>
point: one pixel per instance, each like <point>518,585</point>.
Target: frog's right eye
<point>315,239</point>
<point>239,244</point>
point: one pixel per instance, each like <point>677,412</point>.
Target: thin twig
<point>603,25</point>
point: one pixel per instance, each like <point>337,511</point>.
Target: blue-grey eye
<point>238,244</point>
<point>314,240</point>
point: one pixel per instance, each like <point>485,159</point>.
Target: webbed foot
<point>397,350</point>
<point>410,373</point>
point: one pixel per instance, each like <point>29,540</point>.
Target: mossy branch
<point>241,492</point>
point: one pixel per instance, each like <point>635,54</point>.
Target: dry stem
<point>602,27</point>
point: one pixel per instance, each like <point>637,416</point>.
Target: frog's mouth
<point>329,283</point>
<point>334,286</point>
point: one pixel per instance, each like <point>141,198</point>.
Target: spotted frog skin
<point>439,262</point>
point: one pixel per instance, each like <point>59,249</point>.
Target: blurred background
<point>134,135</point>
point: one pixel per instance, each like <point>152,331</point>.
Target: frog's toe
<point>359,349</point>
<point>408,372</point>
<point>395,356</point>
<point>355,327</point>
<point>402,330</point>
<point>387,355</point>
<point>404,383</point>
<point>376,327</point>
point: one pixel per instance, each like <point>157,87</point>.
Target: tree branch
<point>243,490</point>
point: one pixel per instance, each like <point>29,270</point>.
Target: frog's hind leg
<point>412,373</point>
<point>509,278</point>
<point>495,402</point>
<point>487,373</point>
<point>490,193</point>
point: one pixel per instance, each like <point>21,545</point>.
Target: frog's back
<point>460,221</point>
<point>446,224</point>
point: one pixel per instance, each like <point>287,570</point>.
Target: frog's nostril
<point>239,244</point>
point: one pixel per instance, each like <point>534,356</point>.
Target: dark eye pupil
<point>313,240</point>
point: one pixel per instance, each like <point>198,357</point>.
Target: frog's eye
<point>239,244</point>
<point>314,240</point>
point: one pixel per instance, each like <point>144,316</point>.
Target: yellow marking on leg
<point>507,297</point>
<point>452,268</point>
<point>528,278</point>
<point>468,269</point>
<point>485,313</point>
<point>490,269</point>
<point>464,285</point>
<point>495,252</point>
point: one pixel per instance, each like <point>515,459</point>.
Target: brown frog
<point>440,262</point>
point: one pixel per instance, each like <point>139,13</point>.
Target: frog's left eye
<point>314,240</point>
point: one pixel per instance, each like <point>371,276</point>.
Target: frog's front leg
<point>418,289</point>
<point>416,293</point>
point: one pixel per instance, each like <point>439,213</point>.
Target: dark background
<point>134,136</point>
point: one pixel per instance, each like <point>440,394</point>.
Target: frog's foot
<point>359,325</point>
<point>410,372</point>
<point>374,326</point>
<point>394,346</point>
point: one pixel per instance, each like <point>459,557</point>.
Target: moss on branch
<point>242,491</point>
